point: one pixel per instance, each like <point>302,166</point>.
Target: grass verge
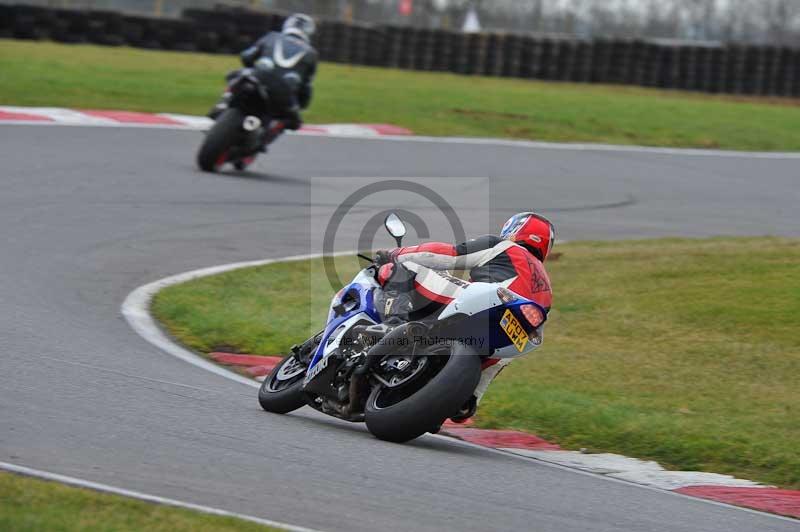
<point>682,351</point>
<point>82,76</point>
<point>33,504</point>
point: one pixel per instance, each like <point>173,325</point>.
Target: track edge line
<point>105,488</point>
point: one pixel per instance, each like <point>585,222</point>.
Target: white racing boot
<point>490,369</point>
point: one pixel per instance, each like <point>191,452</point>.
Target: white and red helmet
<point>531,230</point>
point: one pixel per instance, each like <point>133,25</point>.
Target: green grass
<point>28,504</point>
<point>36,73</point>
<point>682,351</point>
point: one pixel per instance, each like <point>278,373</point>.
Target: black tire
<point>241,165</point>
<point>282,397</point>
<point>430,406</point>
<point>219,139</point>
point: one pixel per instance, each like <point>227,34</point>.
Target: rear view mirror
<point>396,227</point>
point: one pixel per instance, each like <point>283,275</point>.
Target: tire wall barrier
<point>730,68</point>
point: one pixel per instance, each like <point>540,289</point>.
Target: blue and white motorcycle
<point>403,378</point>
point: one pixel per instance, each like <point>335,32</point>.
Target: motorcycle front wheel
<point>281,392</point>
<point>407,412</point>
<point>219,140</point>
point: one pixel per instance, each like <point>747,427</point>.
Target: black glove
<point>383,256</point>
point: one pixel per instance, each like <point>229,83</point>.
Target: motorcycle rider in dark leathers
<point>291,62</point>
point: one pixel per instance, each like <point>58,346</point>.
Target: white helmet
<point>300,26</point>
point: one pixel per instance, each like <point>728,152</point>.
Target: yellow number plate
<point>514,330</point>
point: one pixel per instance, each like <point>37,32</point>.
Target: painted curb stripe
<point>389,129</point>
<point>710,486</point>
<point>233,359</point>
<point>56,116</point>
<point>189,121</point>
<point>131,117</point>
<point>510,439</point>
<point>601,464</point>
<point>24,117</point>
<point>93,117</point>
<point>775,500</point>
<point>673,480</point>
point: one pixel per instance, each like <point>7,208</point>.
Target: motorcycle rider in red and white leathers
<point>514,260</point>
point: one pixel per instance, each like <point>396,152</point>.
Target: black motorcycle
<point>244,129</point>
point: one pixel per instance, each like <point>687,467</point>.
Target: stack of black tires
<point>738,69</point>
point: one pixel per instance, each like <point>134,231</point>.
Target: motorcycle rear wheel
<point>219,140</point>
<point>390,416</point>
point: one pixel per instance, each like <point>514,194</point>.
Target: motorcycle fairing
<point>481,309</point>
<point>353,304</point>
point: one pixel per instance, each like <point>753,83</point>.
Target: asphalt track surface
<point>89,214</point>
